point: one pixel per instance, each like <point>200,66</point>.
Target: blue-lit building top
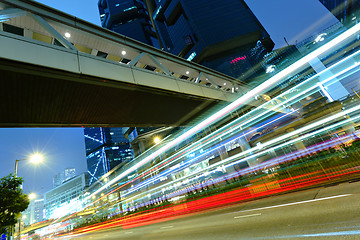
<point>129,18</point>
<point>222,35</point>
<point>105,149</point>
<point>346,11</point>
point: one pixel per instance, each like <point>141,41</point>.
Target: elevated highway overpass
<point>58,70</point>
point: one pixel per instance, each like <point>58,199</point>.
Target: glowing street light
<point>156,140</point>
<point>35,158</point>
<point>32,196</point>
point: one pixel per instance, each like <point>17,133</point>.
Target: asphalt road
<point>323,213</point>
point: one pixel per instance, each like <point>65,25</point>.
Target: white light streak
<point>331,45</point>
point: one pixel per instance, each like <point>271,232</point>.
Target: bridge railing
<point>44,25</point>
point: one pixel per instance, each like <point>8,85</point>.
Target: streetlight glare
<point>156,140</point>
<point>36,158</point>
<point>32,196</point>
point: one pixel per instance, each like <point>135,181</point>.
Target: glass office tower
<point>105,149</point>
<point>222,35</point>
<point>226,37</point>
<point>129,18</point>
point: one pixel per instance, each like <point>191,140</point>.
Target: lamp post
<point>36,158</point>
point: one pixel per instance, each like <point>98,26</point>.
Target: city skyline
<point>60,148</point>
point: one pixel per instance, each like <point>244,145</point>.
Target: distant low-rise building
<point>63,176</point>
<point>35,212</point>
<point>61,198</point>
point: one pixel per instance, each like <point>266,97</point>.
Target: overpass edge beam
<point>52,31</point>
<point>9,13</point>
<point>136,59</point>
<point>162,67</point>
<point>212,81</point>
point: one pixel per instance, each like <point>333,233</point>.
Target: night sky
<point>64,147</point>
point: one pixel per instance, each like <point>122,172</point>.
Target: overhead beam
<point>9,13</point>
<point>52,31</point>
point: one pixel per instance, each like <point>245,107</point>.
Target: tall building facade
<point>129,18</point>
<point>346,11</point>
<point>225,36</point>
<point>105,149</point>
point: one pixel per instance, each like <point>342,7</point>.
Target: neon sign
<point>235,60</point>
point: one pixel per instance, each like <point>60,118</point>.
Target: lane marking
<point>295,203</point>
<point>166,227</point>
<point>251,215</point>
<point>128,232</point>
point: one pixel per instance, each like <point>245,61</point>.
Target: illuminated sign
<point>235,60</point>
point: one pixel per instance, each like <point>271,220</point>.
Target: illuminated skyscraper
<point>225,36</point>
<point>346,11</point>
<point>129,18</point>
<point>105,149</point>
<point>222,35</point>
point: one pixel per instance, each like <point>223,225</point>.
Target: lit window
<point>191,57</point>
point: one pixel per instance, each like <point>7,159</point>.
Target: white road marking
<point>251,215</point>
<point>295,203</point>
<point>166,227</point>
<point>128,232</point>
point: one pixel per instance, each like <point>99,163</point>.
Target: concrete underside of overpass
<point>33,96</point>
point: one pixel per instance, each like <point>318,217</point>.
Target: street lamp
<point>35,158</point>
<point>32,196</point>
<point>156,140</point>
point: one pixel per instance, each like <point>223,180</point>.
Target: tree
<point>12,201</point>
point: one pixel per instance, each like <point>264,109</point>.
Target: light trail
<point>232,128</point>
<point>225,132</point>
<point>331,45</point>
<point>237,126</point>
<point>213,168</point>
